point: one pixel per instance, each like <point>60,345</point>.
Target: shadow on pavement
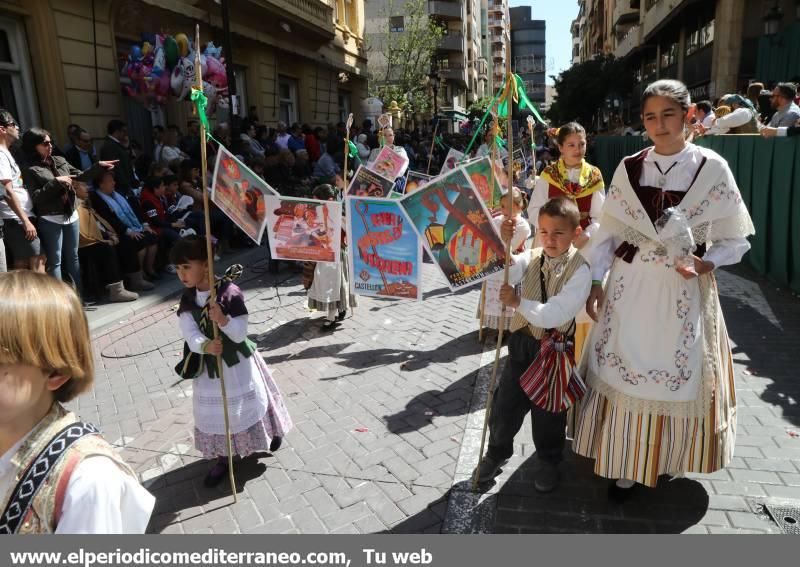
<point>182,492</point>
<point>580,504</point>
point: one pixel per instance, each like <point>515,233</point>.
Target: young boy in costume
<point>567,281</point>
<point>257,414</point>
<point>57,474</point>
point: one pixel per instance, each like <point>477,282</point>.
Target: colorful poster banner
<point>456,229</point>
<point>366,183</point>
<point>239,193</point>
<point>304,229</point>
<point>451,161</point>
<point>415,180</point>
<point>388,163</point>
<point>480,173</point>
<point>385,254</point>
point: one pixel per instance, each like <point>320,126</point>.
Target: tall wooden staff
<point>347,148</point>
<point>493,128</point>
<point>433,144</point>
<point>209,251</point>
<point>508,95</point>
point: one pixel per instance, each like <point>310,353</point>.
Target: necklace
<point>662,181</point>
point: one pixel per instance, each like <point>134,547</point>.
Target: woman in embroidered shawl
<point>658,363</point>
<point>571,176</point>
<point>258,416</point>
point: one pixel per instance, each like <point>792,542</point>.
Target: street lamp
<point>433,78</point>
<point>772,20</point>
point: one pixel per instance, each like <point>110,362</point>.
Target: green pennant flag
<point>353,151</point>
<point>440,143</point>
<point>521,96</point>
<point>500,142</point>
<point>201,103</point>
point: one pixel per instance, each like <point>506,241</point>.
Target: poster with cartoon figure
<point>415,180</point>
<point>304,229</point>
<point>366,183</point>
<point>451,161</point>
<point>388,163</point>
<point>456,229</point>
<point>487,185</point>
<point>239,193</point>
<point>385,256</point>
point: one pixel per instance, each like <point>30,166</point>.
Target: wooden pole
<point>433,144</point>
<point>509,98</point>
<point>493,157</point>
<point>210,252</point>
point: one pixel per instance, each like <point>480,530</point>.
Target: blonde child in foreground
<point>79,484</point>
<point>564,274</point>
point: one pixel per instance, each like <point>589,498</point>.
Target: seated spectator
<point>326,169</point>
<point>138,243</point>
<point>296,141</point>
<point>704,113</point>
<point>158,142</point>
<point>363,147</point>
<point>181,207</point>
<point>97,248</point>
<point>786,111</point>
<point>155,211</point>
<point>190,180</point>
<point>248,135</point>
<point>170,152</point>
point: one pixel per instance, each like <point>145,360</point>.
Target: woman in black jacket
<point>48,179</point>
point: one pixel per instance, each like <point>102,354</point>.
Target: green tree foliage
<point>400,70</point>
<point>582,89</point>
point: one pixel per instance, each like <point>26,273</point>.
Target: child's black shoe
<point>275,444</point>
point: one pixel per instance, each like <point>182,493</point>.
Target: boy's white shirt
<point>100,498</point>
<point>559,309</point>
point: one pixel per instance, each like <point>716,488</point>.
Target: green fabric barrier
<point>778,57</point>
<point>768,175</point>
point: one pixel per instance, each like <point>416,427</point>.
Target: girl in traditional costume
<point>57,474</point>
<point>658,364</point>
<point>257,414</point>
<point>571,176</point>
<point>492,308</point>
<point>329,290</point>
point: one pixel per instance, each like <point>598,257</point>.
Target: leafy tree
<point>400,61</point>
<point>582,89</point>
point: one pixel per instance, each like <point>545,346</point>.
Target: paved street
<point>388,410</point>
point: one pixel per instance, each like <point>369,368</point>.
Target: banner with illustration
<point>388,163</point>
<point>415,180</point>
<point>456,229</point>
<point>304,229</point>
<point>520,162</point>
<point>489,187</point>
<point>451,161</point>
<point>239,193</point>
<point>366,183</point>
<point>385,254</point>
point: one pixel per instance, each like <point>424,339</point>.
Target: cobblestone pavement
<point>388,412</point>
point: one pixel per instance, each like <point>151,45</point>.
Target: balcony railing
<point>453,73</point>
<point>315,12</point>
<point>631,41</point>
<point>624,13</point>
<point>449,10</point>
<point>452,42</point>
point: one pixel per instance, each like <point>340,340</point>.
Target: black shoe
<point>341,315</point>
<point>618,494</point>
<point>489,469</point>
<point>275,444</point>
<point>217,473</point>
<point>328,325</point>
<point>546,478</point>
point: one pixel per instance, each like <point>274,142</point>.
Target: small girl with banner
<point>258,416</point>
<point>329,289</point>
<point>539,376</point>
<point>490,311</point>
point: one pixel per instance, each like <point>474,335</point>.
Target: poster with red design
<point>488,185</point>
<point>389,164</point>
<point>367,183</point>
<point>239,193</point>
<point>451,161</point>
<point>415,180</point>
<point>304,229</point>
<point>385,255</point>
<point>456,228</point>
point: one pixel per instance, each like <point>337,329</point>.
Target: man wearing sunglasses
<point>788,112</point>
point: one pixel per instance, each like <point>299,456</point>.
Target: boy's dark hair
<point>169,179</point>
<point>114,126</point>
<point>704,105</point>
<point>324,192</point>
<point>189,249</point>
<point>152,182</point>
<point>564,208</point>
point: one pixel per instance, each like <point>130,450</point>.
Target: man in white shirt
<point>704,113</point>
<point>743,118</point>
<point>788,112</point>
<point>282,141</point>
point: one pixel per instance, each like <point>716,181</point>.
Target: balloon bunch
<point>164,66</point>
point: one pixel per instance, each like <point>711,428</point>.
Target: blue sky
<point>559,15</point>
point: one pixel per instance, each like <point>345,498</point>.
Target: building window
<point>240,77</point>
<point>669,55</point>
<point>396,24</point>
<point>700,38</point>
<point>287,95</point>
<point>16,86</point>
<point>344,106</point>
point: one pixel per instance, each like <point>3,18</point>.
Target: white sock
<point>625,483</point>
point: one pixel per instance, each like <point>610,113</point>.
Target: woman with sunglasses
<point>48,179</point>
